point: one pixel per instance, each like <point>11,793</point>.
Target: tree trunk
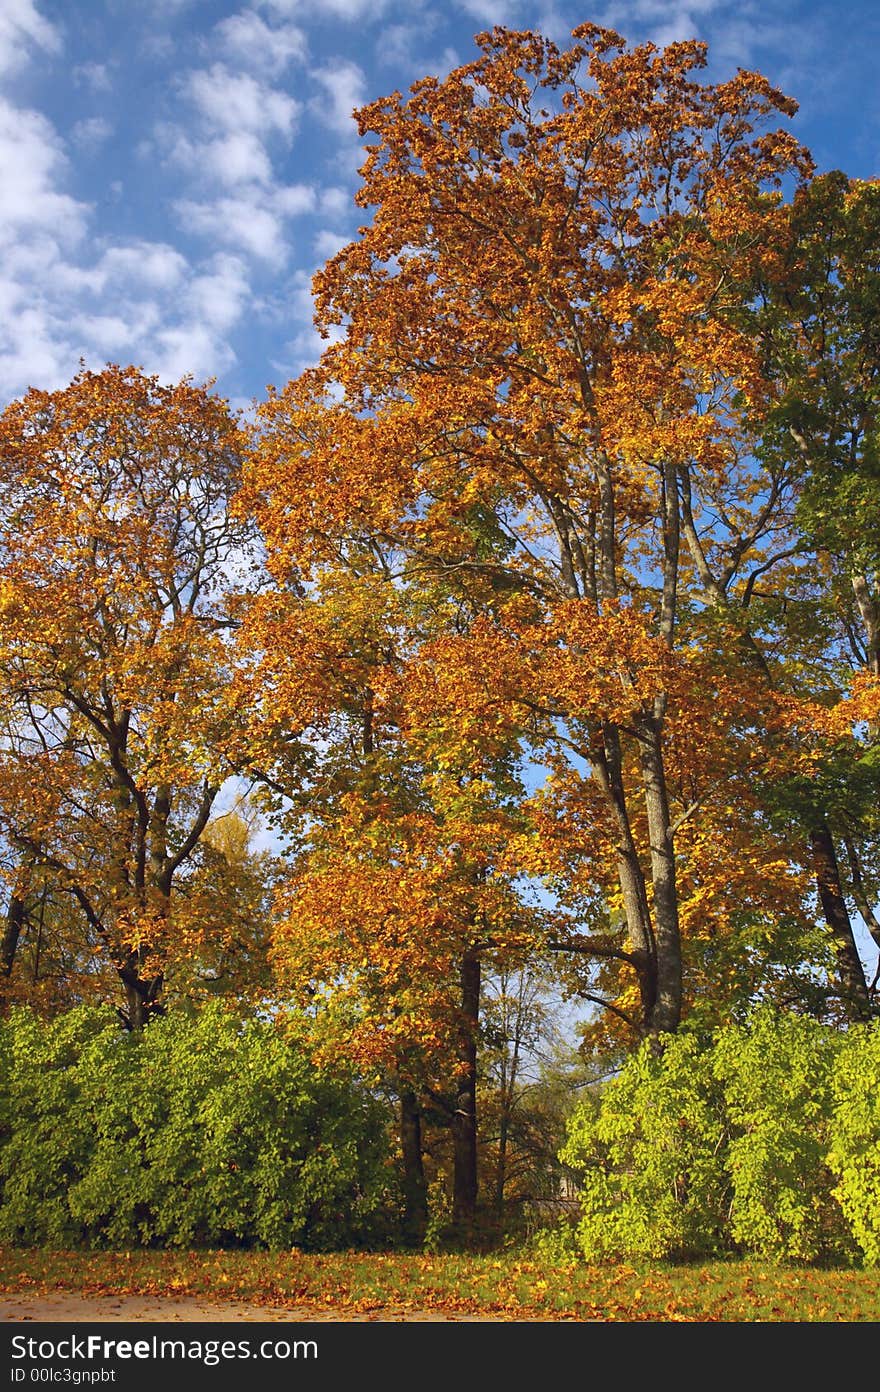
<point>666,1014</point>
<point>868,602</point>
<point>16,917</point>
<point>509,1074</point>
<point>415,1191</point>
<point>852,986</point>
<point>608,763</point>
<point>141,993</point>
<point>464,1120</point>
<point>860,897</point>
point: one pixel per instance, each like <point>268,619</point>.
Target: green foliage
<point>46,1139</point>
<point>735,1146</point>
<point>776,1076</point>
<point>855,1137</point>
<point>647,1148</point>
<point>554,1246</point>
<point>201,1131</point>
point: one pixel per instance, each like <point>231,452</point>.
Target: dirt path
<point>66,1307</point>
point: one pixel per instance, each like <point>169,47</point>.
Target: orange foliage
<point>115,542</point>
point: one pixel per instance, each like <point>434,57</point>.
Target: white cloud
<point>327,243</point>
<point>32,353</point>
<point>747,39</point>
<point>34,256</point>
<point>191,349</point>
<point>238,223</point>
<point>48,322</point>
<point>675,24</point>
<point>345,86</point>
<point>663,21</point>
<point>217,297</point>
<point>300,303</point>
<point>402,47</point>
<point>237,115</point>
<point>335,202</point>
<point>63,300</point>
<point>238,102</point>
<point>492,12</point>
<point>294,199</point>
<point>158,47</point>
<point>396,44</point>
<point>111,334</point>
<point>238,203</point>
<point>21,28</point>
<point>169,6</point>
<point>348,11</point>
<point>251,220</point>
<point>68,280</point>
<point>153,264</point>
<point>660,9</point>
<point>31,157</point>
<point>249,40</point>
<point>238,157</point>
<point>353,10</point>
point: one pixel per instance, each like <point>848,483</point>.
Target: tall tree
<point>539,367</point>
<point>817,320</point>
<point>117,548</point>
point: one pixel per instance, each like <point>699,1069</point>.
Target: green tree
<point>818,326</point>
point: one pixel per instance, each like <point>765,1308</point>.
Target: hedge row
<point>765,1141</point>
<point>200,1131</point>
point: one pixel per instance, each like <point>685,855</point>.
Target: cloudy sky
<point>173,171</point>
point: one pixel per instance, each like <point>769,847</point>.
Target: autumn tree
<point>538,387</point>
<point>396,892</point>
<point>117,550</point>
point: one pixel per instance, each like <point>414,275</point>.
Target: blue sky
<point>173,171</point>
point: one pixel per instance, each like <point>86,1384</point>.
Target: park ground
<point>242,1286</point>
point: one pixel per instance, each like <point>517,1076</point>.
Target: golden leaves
<point>115,540</point>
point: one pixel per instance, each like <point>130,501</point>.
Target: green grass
<point>503,1286</point>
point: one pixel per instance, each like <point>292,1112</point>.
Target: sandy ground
<point>66,1307</point>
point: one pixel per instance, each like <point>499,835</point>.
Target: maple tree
<point>223,916</point>
<point>52,961</point>
<point>539,387</point>
<point>116,550</point>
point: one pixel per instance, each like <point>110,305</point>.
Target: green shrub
<point>854,1156</point>
<point>46,1138</point>
<point>649,1151</point>
<point>777,1079</point>
<point>736,1146</point>
<point>204,1130</point>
